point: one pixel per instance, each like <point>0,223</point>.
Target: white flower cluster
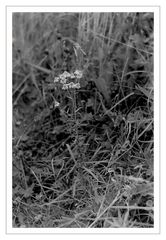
<point>71,85</point>
<point>65,76</point>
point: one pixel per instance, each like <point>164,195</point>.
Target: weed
<point>83,120</point>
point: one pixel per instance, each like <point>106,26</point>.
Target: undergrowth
<point>83,120</point>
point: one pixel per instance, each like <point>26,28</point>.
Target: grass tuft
<point>83,120</point>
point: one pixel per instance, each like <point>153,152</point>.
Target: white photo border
<point>156,11</point>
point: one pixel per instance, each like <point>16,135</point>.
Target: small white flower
<point>78,74</point>
<point>65,86</point>
<point>63,80</point>
<point>72,76</point>
<point>65,74</point>
<point>77,85</point>
<point>62,77</point>
<point>71,85</point>
<point>56,104</point>
<point>56,79</point>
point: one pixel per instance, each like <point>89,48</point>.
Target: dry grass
<point>89,161</point>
